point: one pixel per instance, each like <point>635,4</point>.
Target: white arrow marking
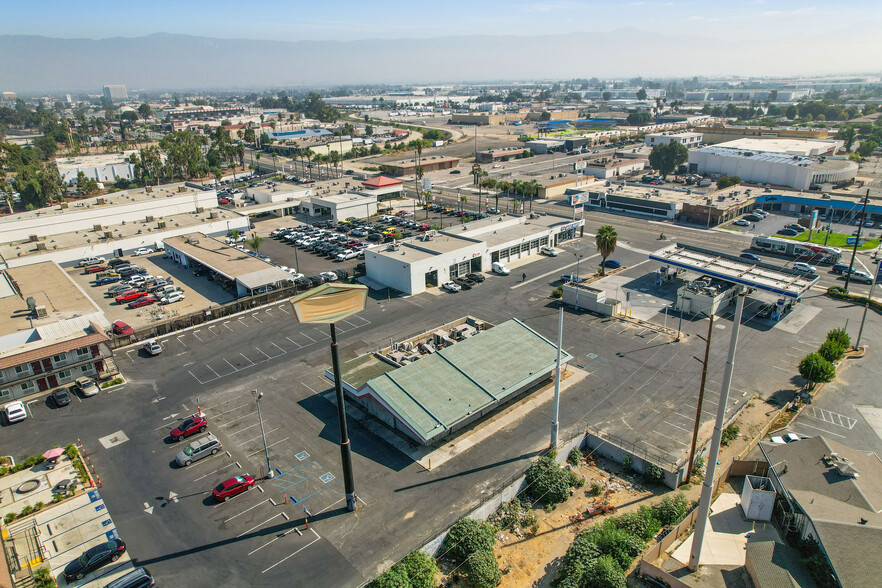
<point>173,497</point>
<point>171,416</point>
<point>155,400</point>
<point>147,508</point>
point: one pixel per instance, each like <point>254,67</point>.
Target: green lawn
<point>835,240</point>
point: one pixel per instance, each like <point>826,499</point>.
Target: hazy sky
<point>345,19</point>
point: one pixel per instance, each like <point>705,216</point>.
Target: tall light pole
<point>269,469</point>
<point>555,424</point>
<point>328,304</point>
<point>857,239</point>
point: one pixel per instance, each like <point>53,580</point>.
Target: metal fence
<point>643,452</point>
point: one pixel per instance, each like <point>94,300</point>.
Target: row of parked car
<point>466,282</point>
<point>132,285</point>
<point>460,213</point>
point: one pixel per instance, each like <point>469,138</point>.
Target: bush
<point>421,569</point>
<point>38,506</point>
<point>575,456</point>
<point>730,433</point>
<point>43,579</point>
<point>726,181</point>
<point>28,509</point>
<point>3,471</point>
<point>575,480</point>
<point>671,509</point>
<point>642,523</point>
<point>513,514</point>
<point>557,292</point>
<point>617,543</point>
<point>394,577</point>
<point>483,570</point>
<point>468,536</point>
<point>814,368</point>
<point>628,463</point>
<point>596,489</point>
<point>604,572</point>
<point>654,474</point>
<point>840,336</point>
<point>9,517</point>
<point>57,497</point>
<point>547,483</point>
<point>831,350</point>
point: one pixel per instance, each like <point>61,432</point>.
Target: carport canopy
<point>731,268</point>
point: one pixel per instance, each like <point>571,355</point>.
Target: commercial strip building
<point>686,139</point>
<point>432,259</point>
<point>712,134</point>
<point>429,164</point>
<point>101,168</point>
<point>605,168</point>
<point>52,333</point>
<point>203,112</point>
<point>497,155</point>
<point>233,268</point>
<point>780,162</point>
<point>439,382</point>
<point>342,206</point>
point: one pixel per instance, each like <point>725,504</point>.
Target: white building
<point>542,146</point>
<point>342,206</point>
<point>688,140</point>
<point>435,258</point>
<point>610,168</point>
<point>116,92</point>
<point>105,169</point>
<point>792,167</point>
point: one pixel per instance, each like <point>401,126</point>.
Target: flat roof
<point>426,161</point>
<point>804,147</point>
<point>727,197</point>
<point>228,261</point>
<point>49,286</point>
<point>639,191</point>
<point>66,163</point>
<point>614,163</point>
<point>346,198</point>
<point>731,268</point>
<point>436,392</point>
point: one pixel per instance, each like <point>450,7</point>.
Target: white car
<point>15,411</point>
<point>788,438</point>
<point>172,298</point>
<point>348,254</point>
<point>142,251</point>
<point>330,276</point>
<point>296,276</point>
<point>152,347</point>
<point>496,166</point>
<point>741,223</point>
<point>804,267</point>
<point>550,251</point>
<point>87,386</point>
<point>91,261</point>
<point>451,287</point>
<point>405,213</point>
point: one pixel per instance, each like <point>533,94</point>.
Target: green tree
<point>421,569</point>
<point>604,572</point>
<point>483,570</point>
<point>605,240</point>
<point>468,536</point>
<point>831,350</point>
<point>641,94</point>
<point>547,483</point>
<point>840,336</point>
<point>368,130</point>
<point>145,111</point>
<point>671,509</point>
<point>866,148</point>
<point>666,158</point>
<point>791,112</point>
<point>814,368</point>
<point>394,577</point>
<point>86,186</point>
<point>254,243</point>
<point>642,523</point>
<point>606,96</point>
<point>639,118</point>
<point>726,181</point>
<point>545,116</point>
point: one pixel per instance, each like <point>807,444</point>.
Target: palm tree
<point>309,154</point>
<point>605,240</point>
<point>254,242</point>
<point>257,157</point>
<point>463,200</point>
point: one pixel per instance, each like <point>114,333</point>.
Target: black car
<point>316,280</point>
<point>117,262</point>
<point>464,283</point>
<point>475,277</point>
<point>341,273</point>
<point>61,397</point>
<point>303,283</point>
<point>93,559</point>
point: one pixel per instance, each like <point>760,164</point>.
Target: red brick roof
<point>381,182</point>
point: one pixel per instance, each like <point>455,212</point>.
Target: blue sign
<point>851,241</point>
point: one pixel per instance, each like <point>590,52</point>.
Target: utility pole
<point>707,489</point>
<point>710,331</point>
<point>554,420</point>
<point>857,343</point>
<point>257,397</point>
<point>857,239</point>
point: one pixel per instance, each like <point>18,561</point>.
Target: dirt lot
<point>200,293</point>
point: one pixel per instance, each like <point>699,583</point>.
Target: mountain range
<point>35,64</point>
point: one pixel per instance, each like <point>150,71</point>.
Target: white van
<point>550,251</point>
<point>499,268</point>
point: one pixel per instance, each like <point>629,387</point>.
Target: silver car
<point>196,450</point>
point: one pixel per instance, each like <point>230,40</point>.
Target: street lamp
<point>328,304</point>
<point>257,397</point>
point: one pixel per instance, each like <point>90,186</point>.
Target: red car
<point>223,201</point>
<point>193,425</point>
<point>121,328</point>
<point>127,296</point>
<point>143,301</point>
<point>229,488</point>
<point>94,269</point>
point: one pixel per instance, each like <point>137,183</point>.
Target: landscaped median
<point>831,240</point>
<point>839,293</point>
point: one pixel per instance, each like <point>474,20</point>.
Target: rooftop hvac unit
<point>32,304</point>
<point>97,228</point>
<point>41,247</point>
<point>160,225</point>
<point>100,201</point>
<point>193,241</point>
<point>213,214</point>
<point>108,234</point>
<point>149,219</point>
<point>33,238</point>
<point>40,311</point>
<point>182,189</point>
<point>199,209</point>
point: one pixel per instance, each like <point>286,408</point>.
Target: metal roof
<point>731,268</point>
<point>440,390</point>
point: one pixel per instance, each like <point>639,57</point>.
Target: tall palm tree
<point>309,154</point>
<point>257,157</point>
<point>605,240</point>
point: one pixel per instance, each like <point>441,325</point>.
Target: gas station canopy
<point>731,268</point>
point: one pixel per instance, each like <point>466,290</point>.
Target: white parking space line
<point>285,534</point>
<point>238,419</point>
<point>308,337</point>
<point>254,316</point>
<point>279,348</point>
<point>282,308</point>
<point>246,359</point>
<point>264,353</point>
<point>275,516</point>
<point>677,426</point>
<point>268,446</point>
<point>227,325</point>
<point>245,429</point>
<point>255,438</point>
<point>179,340</point>
<point>801,424</point>
<point>246,510</point>
<point>231,410</point>
<point>212,371</point>
<point>231,365</point>
<point>299,346</point>
<point>293,554</point>
<point>242,320</point>
<point>197,336</point>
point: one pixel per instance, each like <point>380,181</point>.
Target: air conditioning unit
<point>199,209</point>
<point>149,219</point>
<point>41,247</point>
<point>108,234</point>
<point>40,311</point>
<point>33,238</point>
<point>160,225</point>
<point>100,201</point>
<point>97,228</point>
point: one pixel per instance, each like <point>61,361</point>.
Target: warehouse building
<point>429,164</point>
<point>713,134</point>
<point>342,206</point>
<point>235,269</point>
<point>781,162</point>
<point>497,155</point>
<point>439,382</point>
<point>543,146</point>
<point>434,258</point>
<point>688,140</point>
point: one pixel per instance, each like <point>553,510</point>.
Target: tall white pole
<point>554,419</point>
<point>707,488</point>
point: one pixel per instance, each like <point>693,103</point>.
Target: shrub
<point>575,480</point>
<point>394,577</point>
<point>30,462</point>
<point>468,536</point>
<point>596,489</point>
<point>3,471</point>
<point>483,570</point>
<point>547,483</point>
<point>628,463</point>
<point>557,292</point>
<point>57,497</point>
<point>38,506</point>
<point>604,572</point>
<point>28,509</point>
<point>513,514</point>
<point>671,509</point>
<point>840,336</point>
<point>730,433</point>
<point>617,543</point>
<point>9,517</point>
<point>642,523</point>
<point>654,474</point>
<point>831,350</point>
<point>43,579</point>
<point>575,456</point>
<point>814,368</point>
<point>421,569</point>
<point>698,465</point>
